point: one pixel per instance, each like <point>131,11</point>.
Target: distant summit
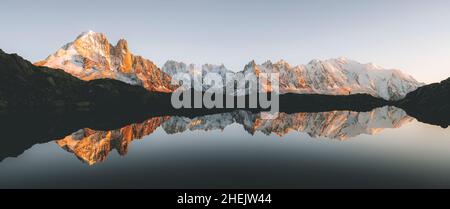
<point>429,103</point>
<point>339,76</point>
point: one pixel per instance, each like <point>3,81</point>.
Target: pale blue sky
<point>410,35</point>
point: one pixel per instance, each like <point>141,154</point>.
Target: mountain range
<point>91,56</point>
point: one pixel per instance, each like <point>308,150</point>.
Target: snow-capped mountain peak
<point>91,56</point>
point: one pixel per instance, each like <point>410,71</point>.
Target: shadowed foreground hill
<point>430,103</point>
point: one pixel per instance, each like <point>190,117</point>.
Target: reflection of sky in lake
<point>414,155</point>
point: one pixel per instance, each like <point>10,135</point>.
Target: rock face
<point>91,56</point>
<point>93,146</point>
<point>332,77</point>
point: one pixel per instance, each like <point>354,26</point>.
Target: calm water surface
<point>383,148</point>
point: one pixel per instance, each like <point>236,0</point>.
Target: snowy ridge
<point>333,77</point>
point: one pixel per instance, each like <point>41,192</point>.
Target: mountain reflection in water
<point>93,146</point>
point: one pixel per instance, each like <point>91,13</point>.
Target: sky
<point>410,35</point>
